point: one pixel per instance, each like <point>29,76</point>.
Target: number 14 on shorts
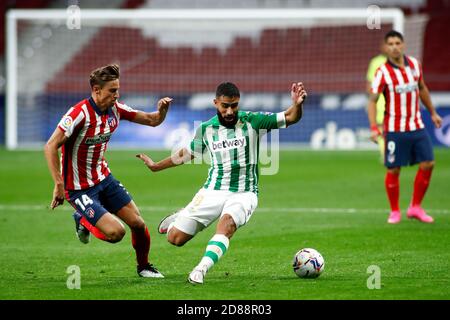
<point>84,202</point>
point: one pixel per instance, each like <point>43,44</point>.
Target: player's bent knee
<point>226,226</point>
<point>176,242</point>
<point>178,238</point>
<point>116,235</point>
<point>111,227</point>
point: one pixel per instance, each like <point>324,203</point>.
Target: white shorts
<point>208,205</point>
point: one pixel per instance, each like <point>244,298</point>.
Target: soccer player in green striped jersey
<point>231,188</point>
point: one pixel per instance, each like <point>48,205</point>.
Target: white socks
<point>215,249</point>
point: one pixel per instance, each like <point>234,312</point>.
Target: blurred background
<point>187,58</point>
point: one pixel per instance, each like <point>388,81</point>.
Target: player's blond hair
<point>104,74</point>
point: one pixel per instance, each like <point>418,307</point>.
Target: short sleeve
<point>378,82</point>
<point>71,120</point>
<point>267,120</point>
<point>126,112</point>
<point>420,70</point>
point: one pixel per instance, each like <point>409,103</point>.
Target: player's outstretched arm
<point>294,113</point>
<point>154,119</point>
<point>52,156</point>
<point>174,160</point>
<point>426,99</point>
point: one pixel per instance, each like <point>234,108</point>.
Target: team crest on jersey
<point>66,122</point>
<point>112,122</point>
<point>90,212</point>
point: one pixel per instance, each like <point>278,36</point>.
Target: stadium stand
<point>17,4</point>
<point>331,60</point>
<point>146,61</point>
<point>436,46</point>
<point>146,58</point>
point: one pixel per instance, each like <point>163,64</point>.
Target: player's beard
<point>228,124</point>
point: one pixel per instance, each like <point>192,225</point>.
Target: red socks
<point>92,229</point>
<point>141,244</point>
<point>392,189</point>
<point>139,239</point>
<point>420,186</point>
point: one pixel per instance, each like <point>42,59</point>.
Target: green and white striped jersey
<point>234,152</point>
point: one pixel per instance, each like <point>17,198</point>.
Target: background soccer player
<point>374,64</point>
<point>86,181</point>
<point>401,82</point>
<point>230,191</point>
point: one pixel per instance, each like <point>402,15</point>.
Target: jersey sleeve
<point>126,112</point>
<point>420,70</point>
<point>267,120</point>
<point>73,118</point>
<point>378,82</point>
<point>198,145</point>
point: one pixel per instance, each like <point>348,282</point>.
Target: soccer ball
<point>308,263</point>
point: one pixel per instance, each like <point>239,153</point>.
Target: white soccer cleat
<point>81,231</point>
<point>196,276</point>
<point>149,271</point>
<point>165,223</point>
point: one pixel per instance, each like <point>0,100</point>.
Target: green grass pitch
<point>331,201</point>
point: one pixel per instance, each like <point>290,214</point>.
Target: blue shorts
<point>107,196</point>
<point>407,148</point>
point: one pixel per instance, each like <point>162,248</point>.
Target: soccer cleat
<point>196,276</point>
<point>165,223</point>
<point>81,231</point>
<point>149,271</point>
<point>394,217</point>
<point>416,212</point>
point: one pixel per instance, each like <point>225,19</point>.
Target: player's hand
<point>58,196</point>
<point>374,133</point>
<point>437,120</point>
<point>147,160</point>
<point>163,104</point>
<point>298,93</point>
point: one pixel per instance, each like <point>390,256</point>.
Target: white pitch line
<point>12,207</point>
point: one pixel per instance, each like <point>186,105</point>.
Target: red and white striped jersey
<point>89,131</point>
<point>400,87</point>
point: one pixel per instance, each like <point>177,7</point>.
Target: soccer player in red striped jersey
<point>401,82</point>
<point>85,179</point>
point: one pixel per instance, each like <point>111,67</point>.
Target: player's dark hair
<point>393,34</point>
<point>104,74</point>
<point>227,89</point>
